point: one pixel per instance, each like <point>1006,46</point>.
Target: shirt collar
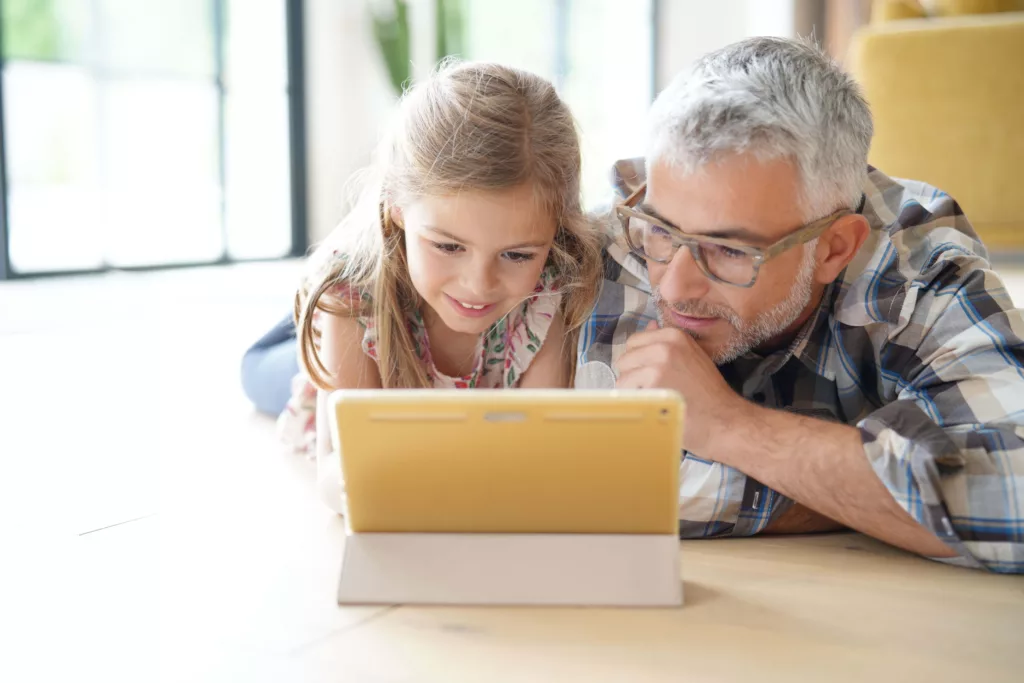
<point>806,345</point>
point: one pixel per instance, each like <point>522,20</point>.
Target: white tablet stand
<point>511,569</point>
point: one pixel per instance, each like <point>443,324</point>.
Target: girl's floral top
<point>504,352</point>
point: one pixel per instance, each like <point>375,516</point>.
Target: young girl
<point>467,261</point>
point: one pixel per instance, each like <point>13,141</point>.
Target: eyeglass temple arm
<point>632,199</point>
<point>803,236</point>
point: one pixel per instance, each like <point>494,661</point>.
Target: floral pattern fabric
<point>503,353</point>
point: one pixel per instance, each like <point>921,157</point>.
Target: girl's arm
<point>341,350</point>
<point>550,369</point>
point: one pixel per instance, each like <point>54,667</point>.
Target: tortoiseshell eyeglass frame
<point>760,255</point>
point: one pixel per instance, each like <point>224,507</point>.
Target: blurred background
<point>142,133</point>
<point>150,133</point>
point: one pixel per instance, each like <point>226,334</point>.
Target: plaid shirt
<point>917,344</point>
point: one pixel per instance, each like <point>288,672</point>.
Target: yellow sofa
<point>947,94</point>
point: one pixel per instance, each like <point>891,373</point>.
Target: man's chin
<point>718,350</point>
<point>708,346</point>
<point>707,342</point>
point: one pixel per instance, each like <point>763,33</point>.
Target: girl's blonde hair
<point>469,126</point>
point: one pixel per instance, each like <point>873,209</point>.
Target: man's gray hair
<point>774,98</point>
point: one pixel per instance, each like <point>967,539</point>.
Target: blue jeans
<point>269,366</point>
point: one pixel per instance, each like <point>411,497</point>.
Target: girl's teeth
<point>475,308</point>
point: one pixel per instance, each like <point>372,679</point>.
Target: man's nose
<point>683,278</point>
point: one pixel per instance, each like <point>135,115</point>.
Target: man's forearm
<point>823,466</point>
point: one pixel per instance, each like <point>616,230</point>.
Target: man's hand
<point>819,464</point>
<point>669,358</point>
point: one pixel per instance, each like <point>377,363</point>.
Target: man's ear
<point>838,245</point>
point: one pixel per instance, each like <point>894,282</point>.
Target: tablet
<point>510,461</point>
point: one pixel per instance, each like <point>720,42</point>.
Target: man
<point>838,336</point>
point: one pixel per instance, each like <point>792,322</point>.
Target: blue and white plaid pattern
<point>917,344</point>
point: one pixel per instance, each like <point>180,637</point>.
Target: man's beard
<point>764,326</point>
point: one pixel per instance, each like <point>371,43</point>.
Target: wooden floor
<point>154,530</point>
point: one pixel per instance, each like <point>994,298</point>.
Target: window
<point>598,53</point>
<point>147,132</point>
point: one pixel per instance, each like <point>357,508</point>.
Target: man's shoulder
<point>914,212</point>
<point>918,234</point>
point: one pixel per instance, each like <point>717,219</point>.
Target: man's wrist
<point>730,440</point>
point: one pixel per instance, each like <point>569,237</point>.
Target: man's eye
<point>448,247</point>
<point>518,256</point>
<point>724,252</point>
<point>657,230</point>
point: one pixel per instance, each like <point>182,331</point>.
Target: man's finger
<point>630,360</point>
<point>636,378</point>
<point>656,354</point>
<point>655,335</point>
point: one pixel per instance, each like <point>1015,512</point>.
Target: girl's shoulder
<point>350,300</point>
<point>343,296</point>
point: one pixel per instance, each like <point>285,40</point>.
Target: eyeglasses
<point>722,260</point>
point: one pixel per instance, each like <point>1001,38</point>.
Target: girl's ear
<point>397,218</point>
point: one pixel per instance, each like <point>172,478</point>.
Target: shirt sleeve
<point>950,448</point>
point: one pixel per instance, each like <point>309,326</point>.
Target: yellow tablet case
<point>519,461</point>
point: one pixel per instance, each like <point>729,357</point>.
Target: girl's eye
<point>518,256</point>
<point>448,247</point>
